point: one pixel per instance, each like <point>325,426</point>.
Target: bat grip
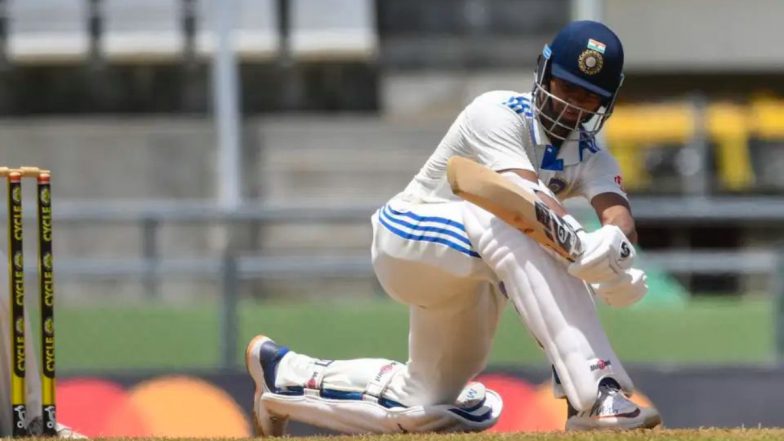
<point>577,231</point>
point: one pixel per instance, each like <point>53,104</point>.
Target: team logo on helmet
<point>590,62</point>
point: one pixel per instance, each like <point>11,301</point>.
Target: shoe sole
<point>649,422</point>
<point>265,424</point>
<point>652,422</point>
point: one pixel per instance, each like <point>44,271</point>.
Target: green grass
<point>158,337</point>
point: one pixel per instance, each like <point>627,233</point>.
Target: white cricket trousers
<point>455,265</point>
<point>423,258</point>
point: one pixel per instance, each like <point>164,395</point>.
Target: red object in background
<point>517,395</point>
<point>173,406</point>
<point>97,407</point>
<point>182,406</point>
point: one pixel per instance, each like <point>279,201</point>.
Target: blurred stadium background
<point>216,162</point>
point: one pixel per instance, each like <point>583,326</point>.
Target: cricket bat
<point>517,207</point>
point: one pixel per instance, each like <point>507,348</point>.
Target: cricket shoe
<point>64,431</point>
<point>613,411</point>
<point>261,359</point>
<point>35,428</point>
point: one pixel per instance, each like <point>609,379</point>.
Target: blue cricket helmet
<point>590,55</point>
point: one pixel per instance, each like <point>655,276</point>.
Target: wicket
<point>17,294</point>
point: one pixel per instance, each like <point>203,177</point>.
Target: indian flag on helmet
<point>598,46</point>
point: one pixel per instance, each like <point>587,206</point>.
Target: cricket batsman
<point>456,266</point>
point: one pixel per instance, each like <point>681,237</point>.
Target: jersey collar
<point>569,151</point>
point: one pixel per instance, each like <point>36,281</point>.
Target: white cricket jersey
<point>498,129</point>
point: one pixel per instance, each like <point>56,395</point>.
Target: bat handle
<point>578,248</point>
<point>569,233</point>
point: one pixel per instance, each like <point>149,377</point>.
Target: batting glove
<point>606,254</point>
<point>625,290</point>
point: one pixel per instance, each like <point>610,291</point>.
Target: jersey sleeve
<point>601,175</point>
<point>496,134</point>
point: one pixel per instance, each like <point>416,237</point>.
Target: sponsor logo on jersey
<point>619,180</point>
